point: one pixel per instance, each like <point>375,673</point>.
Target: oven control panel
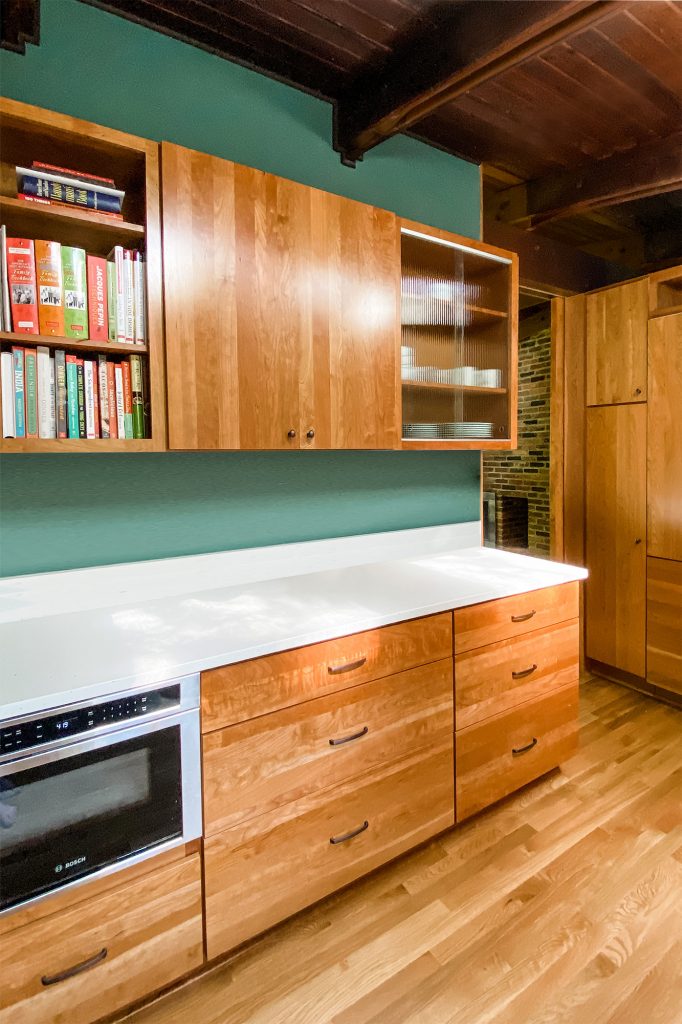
<point>25,735</point>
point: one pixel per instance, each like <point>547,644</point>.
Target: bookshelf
<point>29,133</point>
<point>459,310</point>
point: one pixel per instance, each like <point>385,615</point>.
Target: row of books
<point>48,183</point>
<point>62,291</point>
<point>57,394</point>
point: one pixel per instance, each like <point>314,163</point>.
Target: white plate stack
<point>446,431</point>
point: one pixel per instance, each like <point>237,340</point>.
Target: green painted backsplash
<point>64,511</point>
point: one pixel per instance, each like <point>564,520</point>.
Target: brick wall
<point>524,472</point>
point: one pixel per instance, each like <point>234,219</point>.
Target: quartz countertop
<point>79,635</point>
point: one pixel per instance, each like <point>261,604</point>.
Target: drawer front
<point>491,680</point>
<point>503,753</point>
<point>260,873</point>
<point>128,942</point>
<point>250,688</point>
<point>273,760</point>
<point>507,617</point>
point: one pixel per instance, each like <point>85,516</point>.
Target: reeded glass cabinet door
<point>456,341</point>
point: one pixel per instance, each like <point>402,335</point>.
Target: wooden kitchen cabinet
<point>616,344</point>
<point>615,511</point>
<point>664,437</point>
<point>281,311</point>
<point>664,624</point>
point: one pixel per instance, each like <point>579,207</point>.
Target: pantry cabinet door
<point>357,313</point>
<point>616,350</point>
<point>238,286</point>
<point>664,456</point>
<point>615,511</point>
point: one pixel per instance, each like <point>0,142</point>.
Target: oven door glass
<point>65,814</point>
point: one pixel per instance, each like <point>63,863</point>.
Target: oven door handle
<point>71,972</point>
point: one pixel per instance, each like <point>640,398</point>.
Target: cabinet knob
<point>638,540</point>
<point>638,391</point>
<point>310,435</point>
<point>292,433</point>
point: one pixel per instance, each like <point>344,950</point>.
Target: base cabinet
<point>664,624</point>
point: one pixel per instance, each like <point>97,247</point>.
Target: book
<point>60,392</point>
<point>19,392</point>
<point>127,400</point>
<point>111,399</point>
<point>120,414</point>
<point>137,395</point>
<point>51,409</point>
<point>45,393</point>
<point>95,398</point>
<point>21,277</point>
<point>49,285</point>
<point>75,295</point>
<point>117,255</point>
<point>67,172</point>
<point>80,397</point>
<point>139,287</point>
<point>88,385</point>
<point>98,318</point>
<point>72,394</point>
<point>129,295</point>
<point>40,200</point>
<point>5,308</point>
<point>103,395</point>
<point>74,191</point>
<point>31,391</point>
<point>7,378</point>
<point>111,300</point>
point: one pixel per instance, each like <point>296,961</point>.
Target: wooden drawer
<point>490,680</point>
<point>487,767</point>
<point>664,624</point>
<point>266,869</point>
<point>139,937</point>
<point>273,760</point>
<point>250,688</point>
<point>507,617</point>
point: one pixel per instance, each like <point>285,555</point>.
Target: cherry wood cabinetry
<point>664,437</point>
<point>616,332</point>
<point>281,311</point>
<point>508,617</point>
<point>664,624</point>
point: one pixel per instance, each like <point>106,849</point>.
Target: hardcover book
<point>50,293</point>
<point>31,388</point>
<point>19,392</point>
<point>137,396</point>
<point>45,394</point>
<point>140,298</point>
<point>127,401</point>
<point>60,392</point>
<point>98,319</point>
<point>111,300</point>
<point>80,395</point>
<point>103,395</point>
<point>71,362</point>
<point>75,295</point>
<point>21,275</point>
<point>6,311</point>
<point>65,189</point>
<point>41,201</point>
<point>112,399</point>
<point>120,414</point>
<point>129,295</point>
<point>116,255</point>
<point>7,377</point>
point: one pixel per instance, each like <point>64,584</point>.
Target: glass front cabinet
<point>459,311</point>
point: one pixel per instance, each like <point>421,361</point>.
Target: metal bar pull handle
<point>70,972</point>
<point>349,739</point>
<point>522,750</point>
<point>336,670</point>
<point>335,840</point>
<point>524,672</point>
<point>523,618</point>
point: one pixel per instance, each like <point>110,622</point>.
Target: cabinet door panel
<point>664,456</point>
<point>664,624</point>
<point>616,549</point>
<point>616,344</point>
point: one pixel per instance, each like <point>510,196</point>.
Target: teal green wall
<point>66,511</point>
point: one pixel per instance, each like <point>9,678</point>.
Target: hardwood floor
<point>561,905</point>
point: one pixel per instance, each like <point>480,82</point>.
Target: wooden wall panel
<point>616,333</point>
<point>664,624</point>
<point>574,430</point>
<point>616,548</point>
<point>664,449</point>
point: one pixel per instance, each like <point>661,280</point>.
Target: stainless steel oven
<point>90,788</point>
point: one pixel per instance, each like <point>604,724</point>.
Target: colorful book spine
<point>68,172</point>
<point>120,412</point>
<point>129,295</point>
<point>75,292</point>
<point>45,393</point>
<point>95,398</point>
<point>51,408</point>
<point>7,378</point>
<point>140,298</point>
<point>111,301</point>
<point>127,400</point>
<point>80,395</point>
<point>111,399</point>
<point>50,291</point>
<point>40,201</point>
<point>81,194</point>
<point>98,319</point>
<point>21,276</point>
<point>72,394</point>
<point>60,392</point>
<point>19,391</point>
<point>117,255</point>
<point>31,388</point>
<point>103,395</point>
<point>137,396</point>
<point>88,389</point>
<point>6,311</point>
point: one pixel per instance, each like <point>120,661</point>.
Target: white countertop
<point>83,634</point>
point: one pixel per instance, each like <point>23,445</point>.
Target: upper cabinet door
<point>664,457</point>
<point>617,344</point>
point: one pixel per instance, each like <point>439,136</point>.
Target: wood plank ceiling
<point>577,104</point>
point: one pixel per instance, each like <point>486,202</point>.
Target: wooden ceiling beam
<point>19,24</point>
<point>455,47</point>
<point>647,170</point>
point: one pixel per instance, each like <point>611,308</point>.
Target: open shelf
<point>32,340</point>
<point>90,230</point>
<point>666,310</point>
<point>472,389</point>
<point>76,444</point>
